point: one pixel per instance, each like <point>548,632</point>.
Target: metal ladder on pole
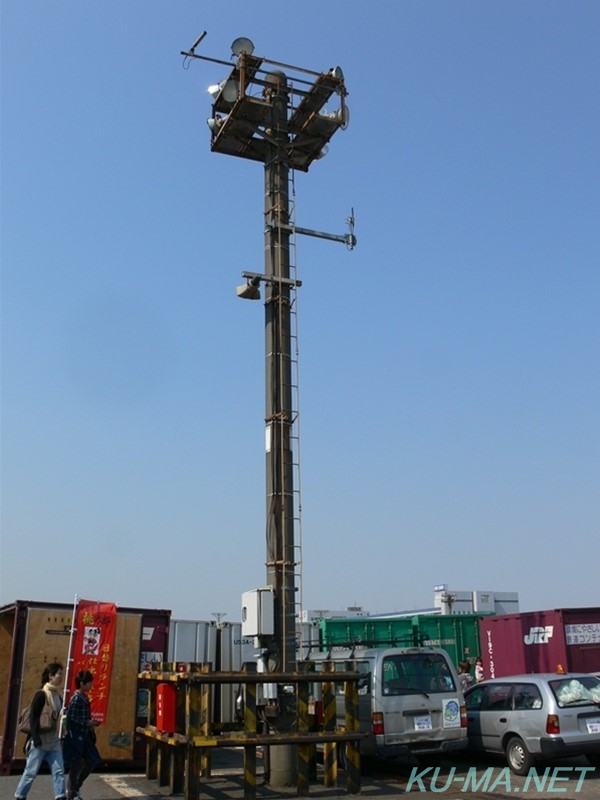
<point>295,429</point>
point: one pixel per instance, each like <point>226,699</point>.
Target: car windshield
<point>584,690</point>
<point>416,673</point>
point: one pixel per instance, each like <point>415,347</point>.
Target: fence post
<point>352,726</point>
<point>329,724</point>
<point>250,729</point>
<point>304,751</point>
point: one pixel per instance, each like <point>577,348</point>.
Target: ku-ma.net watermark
<point>551,780</point>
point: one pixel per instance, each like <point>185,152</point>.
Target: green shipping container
<point>458,634</point>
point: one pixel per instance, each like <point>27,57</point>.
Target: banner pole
<point>63,718</point>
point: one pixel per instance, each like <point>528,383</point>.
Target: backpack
<point>47,720</point>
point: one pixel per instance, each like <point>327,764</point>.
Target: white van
<point>410,701</point>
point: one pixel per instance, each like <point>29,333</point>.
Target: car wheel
<point>518,756</point>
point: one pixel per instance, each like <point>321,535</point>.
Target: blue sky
<point>449,389</point>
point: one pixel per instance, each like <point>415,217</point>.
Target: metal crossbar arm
<point>349,239</point>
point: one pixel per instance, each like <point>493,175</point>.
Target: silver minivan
<point>410,701</point>
<point>536,717</point>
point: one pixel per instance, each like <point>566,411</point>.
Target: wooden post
<point>250,728</point>
<point>352,726</point>
<point>329,724</point>
<point>303,751</point>
<point>151,759</point>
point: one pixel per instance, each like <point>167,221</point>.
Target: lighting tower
<point>263,113</point>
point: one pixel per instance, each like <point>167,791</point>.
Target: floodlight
<point>249,290</point>
<point>230,90</point>
<point>324,151</point>
<point>242,45</point>
<point>336,72</point>
<point>345,117</point>
<point>342,115</point>
<point>214,123</point>
<point>215,89</point>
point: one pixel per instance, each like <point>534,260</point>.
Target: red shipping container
<point>540,641</point>
<point>166,707</point>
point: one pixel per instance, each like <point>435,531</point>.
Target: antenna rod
<point>197,42</point>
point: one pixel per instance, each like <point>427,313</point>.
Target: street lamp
<point>276,114</point>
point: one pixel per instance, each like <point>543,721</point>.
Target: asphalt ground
<point>571,779</point>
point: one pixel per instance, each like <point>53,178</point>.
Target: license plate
<point>593,725</point>
<point>423,723</point>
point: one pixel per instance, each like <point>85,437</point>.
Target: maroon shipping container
<point>538,641</point>
<point>32,634</point>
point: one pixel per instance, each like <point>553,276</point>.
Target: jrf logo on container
<point>539,634</point>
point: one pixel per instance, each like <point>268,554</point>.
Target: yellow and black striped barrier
<point>305,753</point>
<point>352,726</point>
<point>178,759</point>
<point>250,727</point>
<point>330,763</point>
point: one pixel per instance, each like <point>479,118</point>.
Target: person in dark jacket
<point>44,745</point>
<point>464,675</point>
<point>79,746</point>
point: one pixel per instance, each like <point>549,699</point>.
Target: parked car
<point>535,717</point>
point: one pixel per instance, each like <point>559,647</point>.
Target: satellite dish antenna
<point>242,45</point>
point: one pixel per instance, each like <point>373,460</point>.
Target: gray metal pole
<point>278,379</point>
<point>280,561</point>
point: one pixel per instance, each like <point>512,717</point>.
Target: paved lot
<point>572,780</point>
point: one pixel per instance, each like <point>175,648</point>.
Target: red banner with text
<point>93,649</point>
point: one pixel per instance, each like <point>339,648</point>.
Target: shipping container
<point>226,649</point>
<point>193,641</point>
<point>33,634</point>
<point>540,641</point>
<point>458,634</point>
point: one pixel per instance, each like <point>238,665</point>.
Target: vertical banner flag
<point>93,649</point>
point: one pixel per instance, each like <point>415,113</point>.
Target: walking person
<point>464,675</point>
<point>479,676</point>
<point>44,745</point>
<point>79,746</point>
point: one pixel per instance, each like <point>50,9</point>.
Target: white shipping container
<point>193,641</point>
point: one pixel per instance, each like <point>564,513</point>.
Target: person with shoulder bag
<point>79,745</point>
<point>44,745</point>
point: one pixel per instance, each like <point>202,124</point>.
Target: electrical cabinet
<point>257,612</point>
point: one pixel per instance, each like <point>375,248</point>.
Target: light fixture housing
<point>230,90</point>
<point>249,290</point>
<point>242,45</point>
<point>214,123</point>
<point>342,116</point>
